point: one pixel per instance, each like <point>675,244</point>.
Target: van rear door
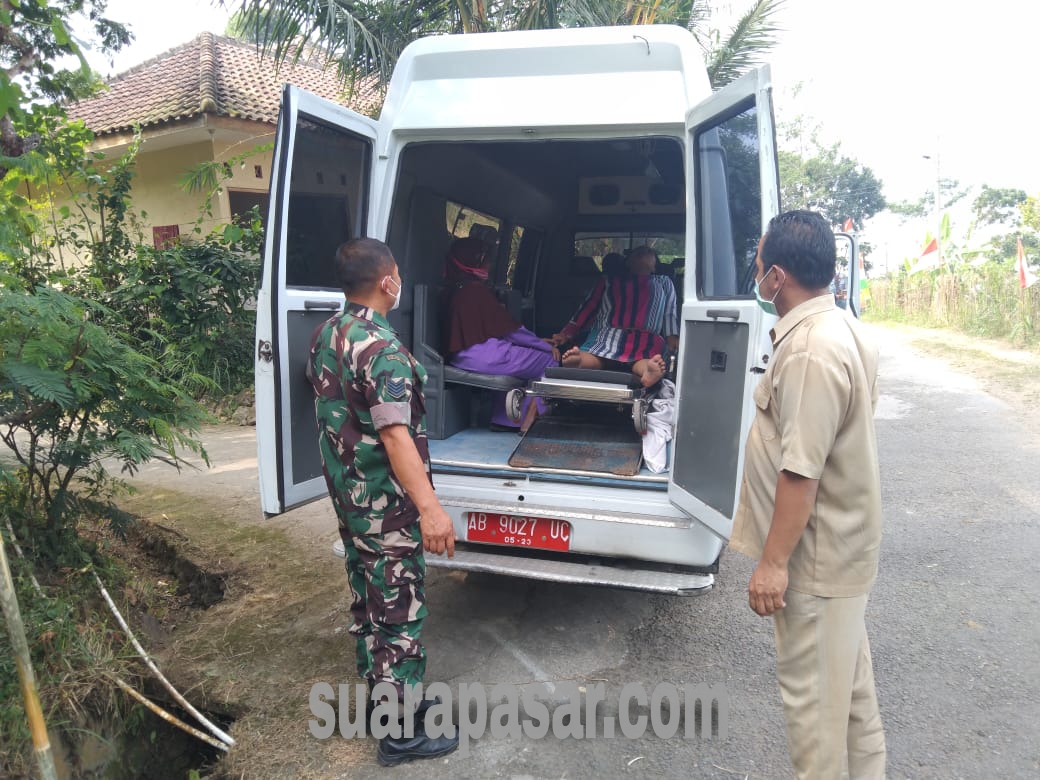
<point>732,193</point>
<point>320,185</point>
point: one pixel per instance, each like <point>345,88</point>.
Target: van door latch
<point>264,351</point>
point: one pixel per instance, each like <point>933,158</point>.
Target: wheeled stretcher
<point>618,388</point>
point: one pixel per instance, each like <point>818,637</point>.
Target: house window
<point>165,236</point>
<point>241,201</point>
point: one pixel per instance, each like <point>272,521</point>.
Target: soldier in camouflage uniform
<point>372,433</point>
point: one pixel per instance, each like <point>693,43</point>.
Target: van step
<point>576,573</point>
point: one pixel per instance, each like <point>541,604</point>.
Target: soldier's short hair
<point>361,263</point>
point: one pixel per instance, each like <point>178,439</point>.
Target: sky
<point>890,80</point>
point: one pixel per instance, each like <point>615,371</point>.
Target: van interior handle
<point>321,305</point>
<point>724,314</point>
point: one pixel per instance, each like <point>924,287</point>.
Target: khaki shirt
<point>815,417</point>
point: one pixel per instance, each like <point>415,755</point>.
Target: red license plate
<point>539,533</point>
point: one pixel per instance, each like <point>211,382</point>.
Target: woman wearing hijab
<point>481,335</point>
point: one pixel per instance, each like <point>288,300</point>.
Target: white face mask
<point>397,295</point>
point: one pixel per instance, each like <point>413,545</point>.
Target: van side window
<point>328,193</point>
<point>516,237</point>
<point>729,209</point>
<point>463,222</point>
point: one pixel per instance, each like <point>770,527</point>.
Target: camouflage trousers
<point>385,573</point>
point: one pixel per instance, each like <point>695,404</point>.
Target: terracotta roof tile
<point>211,74</point>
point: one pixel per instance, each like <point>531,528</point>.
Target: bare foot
<point>571,358</point>
<point>653,372</point>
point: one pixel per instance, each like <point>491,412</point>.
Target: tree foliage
<point>832,183</point>
<point>950,192</point>
<point>998,206</point>
<point>34,34</point>
<point>105,341</point>
<point>1030,210</point>
<point>73,393</point>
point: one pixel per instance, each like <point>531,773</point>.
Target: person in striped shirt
<point>633,317</point>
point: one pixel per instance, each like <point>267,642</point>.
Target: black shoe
<point>397,750</point>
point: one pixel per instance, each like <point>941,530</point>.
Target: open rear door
<point>732,193</point>
<point>848,280</point>
<point>320,187</point>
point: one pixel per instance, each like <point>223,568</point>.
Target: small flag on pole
<point>849,226</point>
<point>1026,278</point>
<point>929,258</point>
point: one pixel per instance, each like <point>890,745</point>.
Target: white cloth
<point>659,428</point>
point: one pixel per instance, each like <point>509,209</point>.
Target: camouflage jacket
<point>364,379</point>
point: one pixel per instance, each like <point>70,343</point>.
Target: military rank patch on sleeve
<point>396,387</point>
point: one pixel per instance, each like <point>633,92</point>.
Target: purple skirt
<point>521,354</point>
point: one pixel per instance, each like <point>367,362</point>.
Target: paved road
<point>954,620</point>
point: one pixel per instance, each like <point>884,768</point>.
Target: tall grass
<point>984,301</point>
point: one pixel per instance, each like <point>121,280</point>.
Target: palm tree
<point>743,47</point>
<point>365,37</point>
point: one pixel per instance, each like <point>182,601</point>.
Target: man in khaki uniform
<point>810,504</point>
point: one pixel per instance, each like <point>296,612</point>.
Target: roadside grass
<point>76,652</point>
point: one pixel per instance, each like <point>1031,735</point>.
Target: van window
<point>729,209</point>
<point>597,245</point>
<point>326,202</point>
<point>515,238</point>
<point>464,222</point>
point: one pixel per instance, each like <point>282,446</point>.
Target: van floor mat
<point>580,446</point>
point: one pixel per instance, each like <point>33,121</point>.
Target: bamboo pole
<point>210,727</point>
<point>18,551</point>
<point>20,647</point>
<point>171,719</point>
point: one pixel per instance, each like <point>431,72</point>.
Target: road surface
<point>954,620</point>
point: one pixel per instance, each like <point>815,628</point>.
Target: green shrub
<point>77,400</point>
<point>981,300</point>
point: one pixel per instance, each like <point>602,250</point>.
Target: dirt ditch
<point>244,619</point>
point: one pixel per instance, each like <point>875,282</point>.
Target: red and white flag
<point>929,258</point>
<point>849,226</point>
<point>1026,278</point>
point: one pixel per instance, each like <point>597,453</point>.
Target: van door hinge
<point>264,351</point>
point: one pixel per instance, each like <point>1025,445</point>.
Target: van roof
<point>566,78</point>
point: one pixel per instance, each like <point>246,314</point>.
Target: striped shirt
<point>630,316</point>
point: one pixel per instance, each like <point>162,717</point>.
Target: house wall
<point>253,174</point>
<point>156,187</point>
<point>157,190</point>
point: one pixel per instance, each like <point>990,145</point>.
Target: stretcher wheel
<point>514,404</point>
<point>640,407</point>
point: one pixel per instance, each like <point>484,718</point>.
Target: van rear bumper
<point>625,574</point>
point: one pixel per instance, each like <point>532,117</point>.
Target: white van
<point>566,145</point>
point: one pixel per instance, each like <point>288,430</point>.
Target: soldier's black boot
<point>397,750</point>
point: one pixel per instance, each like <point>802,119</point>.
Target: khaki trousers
<point>827,684</point>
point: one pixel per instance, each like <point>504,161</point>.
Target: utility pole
<point>938,199</point>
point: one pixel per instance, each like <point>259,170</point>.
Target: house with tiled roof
<point>211,99</point>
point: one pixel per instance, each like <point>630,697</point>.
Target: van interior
<point>551,210</point>
<point>555,209</point>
